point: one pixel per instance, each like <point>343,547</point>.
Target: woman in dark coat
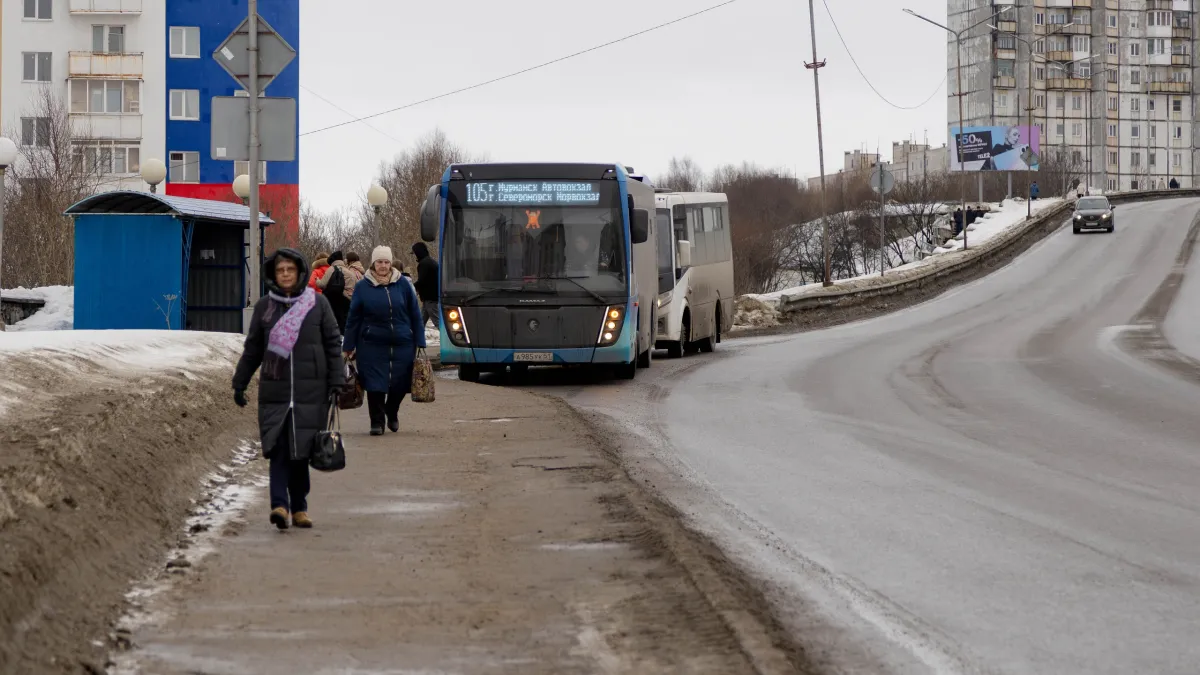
<point>383,332</point>
<point>294,337</point>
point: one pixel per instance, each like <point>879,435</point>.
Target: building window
<point>1039,19</point>
<point>1112,158</point>
<point>1076,102</point>
<point>185,104</point>
<point>1077,157</point>
<point>1176,105</point>
<point>1112,20</point>
<point>185,42</point>
<point>1006,41</point>
<point>1135,49</point>
<point>1058,129</point>
<point>107,158</point>
<point>106,97</point>
<point>1112,184</point>
<point>1001,100</point>
<point>1005,67</point>
<point>1133,184</point>
<point>1135,131</point>
<point>1150,158</point>
<point>1153,130</point>
<point>1039,46</point>
<point>35,131</point>
<point>1177,159</point>
<point>1061,102</point>
<point>1113,102</point>
<point>1156,46</point>
<point>1135,159</point>
<point>1135,104</point>
<point>108,39</point>
<point>1112,131</point>
<point>38,10</point>
<point>1150,105</point>
<point>1077,129</point>
<point>1058,18</point>
<point>243,169</point>
<point>1082,43</point>
<point>1039,101</point>
<point>1133,22</point>
<point>185,167</point>
<point>1039,73</point>
<point>1158,19</point>
<point>1112,77</point>
<point>1178,131</point>
<point>36,66</point>
<point>1135,76</point>
<point>1112,48</point>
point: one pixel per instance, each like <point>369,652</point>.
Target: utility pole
<point>815,67</point>
<point>255,236</point>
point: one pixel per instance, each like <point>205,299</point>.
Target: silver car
<point>1092,213</point>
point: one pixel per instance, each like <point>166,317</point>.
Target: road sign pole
<point>255,252</point>
<point>881,235</point>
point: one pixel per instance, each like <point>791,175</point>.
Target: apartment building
<point>917,161</point>
<point>136,78</point>
<point>1110,81</point>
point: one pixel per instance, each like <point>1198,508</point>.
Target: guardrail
<point>949,266</point>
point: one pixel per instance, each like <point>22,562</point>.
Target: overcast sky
<point>724,87</point>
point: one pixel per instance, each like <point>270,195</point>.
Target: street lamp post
<point>153,172</point>
<point>1028,120</point>
<point>8,155</point>
<point>377,197</point>
<point>241,188</point>
<point>958,36</point>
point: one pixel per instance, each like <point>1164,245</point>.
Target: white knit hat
<point>381,253</point>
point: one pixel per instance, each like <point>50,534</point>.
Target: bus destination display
<point>532,193</point>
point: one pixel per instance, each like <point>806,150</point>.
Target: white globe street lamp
<point>241,187</point>
<point>377,197</point>
<point>153,172</point>
<point>8,156</point>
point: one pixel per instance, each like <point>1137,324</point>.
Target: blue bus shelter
<point>154,261</point>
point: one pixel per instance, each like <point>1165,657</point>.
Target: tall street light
<point>958,38</point>
<point>8,155</point>
<point>816,67</point>
<point>377,197</point>
<point>153,172</point>
<point>241,188</point>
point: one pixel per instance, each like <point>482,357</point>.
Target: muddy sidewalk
<point>489,536</point>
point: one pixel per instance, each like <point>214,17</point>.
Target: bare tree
<point>407,179</point>
<point>49,176</point>
<point>683,175</point>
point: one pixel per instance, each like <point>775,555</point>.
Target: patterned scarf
<point>287,329</point>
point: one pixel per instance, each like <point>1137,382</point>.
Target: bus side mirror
<point>431,213</point>
<point>683,254</point>
<point>639,229</point>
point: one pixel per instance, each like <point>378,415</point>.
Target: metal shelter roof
<point>125,202</point>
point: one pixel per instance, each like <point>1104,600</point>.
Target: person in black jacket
<point>426,283</point>
<point>294,337</point>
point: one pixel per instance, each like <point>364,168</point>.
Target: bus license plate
<point>526,357</point>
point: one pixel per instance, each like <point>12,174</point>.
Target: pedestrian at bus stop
<point>1034,190</point>
<point>383,333</point>
<point>427,282</point>
<point>293,336</point>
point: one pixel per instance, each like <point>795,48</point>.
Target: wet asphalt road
<point>998,480</point>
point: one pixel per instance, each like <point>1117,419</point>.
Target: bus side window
<point>701,255</point>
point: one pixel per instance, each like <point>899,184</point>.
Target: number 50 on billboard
<point>994,149</point>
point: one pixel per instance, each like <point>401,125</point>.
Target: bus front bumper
<point>452,355</point>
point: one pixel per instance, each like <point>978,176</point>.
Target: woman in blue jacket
<point>383,332</point>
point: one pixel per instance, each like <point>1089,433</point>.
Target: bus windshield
<point>570,249</point>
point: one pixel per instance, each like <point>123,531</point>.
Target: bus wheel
<point>685,335</point>
<point>628,371</point>
<point>708,344</point>
<point>468,373</point>
<point>646,358</point>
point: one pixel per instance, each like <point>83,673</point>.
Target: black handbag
<point>328,453</point>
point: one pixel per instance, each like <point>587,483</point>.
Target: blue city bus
<point>544,264</point>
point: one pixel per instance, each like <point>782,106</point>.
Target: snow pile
<point>755,313</point>
<point>127,349</point>
<point>57,314</point>
<point>1001,218</point>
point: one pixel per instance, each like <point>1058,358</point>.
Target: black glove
<point>239,397</point>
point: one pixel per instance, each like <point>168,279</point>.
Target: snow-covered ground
<point>755,309</point>
<point>57,314</point>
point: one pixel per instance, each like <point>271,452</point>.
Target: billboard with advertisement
<point>995,149</point>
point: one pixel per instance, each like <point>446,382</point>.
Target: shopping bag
<point>328,452</point>
<point>352,395</point>
<point>422,379</point>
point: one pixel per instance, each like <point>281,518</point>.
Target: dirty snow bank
<point>758,310</point>
<point>57,314</point>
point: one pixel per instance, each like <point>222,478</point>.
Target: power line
<point>331,103</point>
<point>522,71</point>
<point>864,75</point>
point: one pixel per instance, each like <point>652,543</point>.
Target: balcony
<point>1007,26</point>
<point>1181,32</point>
<point>103,126</point>
<point>106,6</point>
<point>1004,82</point>
<point>1083,4</point>
<point>1181,60</point>
<point>1067,83</point>
<point>90,64</point>
<point>1169,87</point>
<point>1060,55</point>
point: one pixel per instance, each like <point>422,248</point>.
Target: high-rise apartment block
<point>1111,82</point>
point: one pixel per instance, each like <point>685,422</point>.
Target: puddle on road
<point>584,546</point>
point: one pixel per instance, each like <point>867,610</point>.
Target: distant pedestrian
<point>320,266</point>
<point>333,286</point>
<point>1034,190</point>
<point>1080,190</point>
<point>958,220</point>
<point>1174,184</point>
<point>355,267</point>
<point>427,283</point>
<point>294,394</point>
<point>383,333</point>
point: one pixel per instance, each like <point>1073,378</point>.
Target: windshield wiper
<point>512,289</point>
<point>589,291</point>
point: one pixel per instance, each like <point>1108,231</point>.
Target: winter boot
<point>394,424</point>
<point>279,518</point>
<point>376,431</point>
<point>300,519</point>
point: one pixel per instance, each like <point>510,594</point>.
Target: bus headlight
<point>456,327</point>
<point>610,328</point>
